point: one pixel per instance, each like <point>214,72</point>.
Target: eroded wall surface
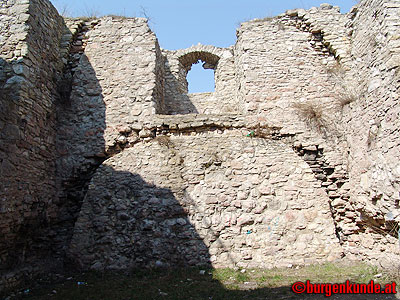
<point>216,197</point>
<point>30,63</point>
<point>107,159</point>
<point>177,65</point>
<point>371,125</point>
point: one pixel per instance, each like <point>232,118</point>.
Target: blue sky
<point>181,23</point>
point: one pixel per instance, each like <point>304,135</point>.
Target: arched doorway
<point>214,94</point>
<point>191,60</point>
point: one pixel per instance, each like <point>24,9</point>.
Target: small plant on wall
<point>164,140</point>
<point>348,90</point>
<point>313,115</point>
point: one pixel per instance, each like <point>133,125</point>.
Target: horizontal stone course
<point>105,157</point>
<point>200,175</point>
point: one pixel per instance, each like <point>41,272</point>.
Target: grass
<point>313,115</point>
<point>349,90</point>
<point>230,276</point>
<point>164,140</point>
<point>195,283</point>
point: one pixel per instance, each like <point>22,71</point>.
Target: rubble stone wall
<point>283,61</point>
<point>107,159</point>
<point>217,198</point>
<point>178,64</point>
<point>111,88</point>
<point>371,126</point>
<point>30,65</point>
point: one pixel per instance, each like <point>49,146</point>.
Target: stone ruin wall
<point>177,65</point>
<point>29,63</point>
<point>266,168</point>
<point>371,125</point>
<point>206,195</point>
<point>112,90</point>
<point>362,96</point>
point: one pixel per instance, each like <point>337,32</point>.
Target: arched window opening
<point>200,78</point>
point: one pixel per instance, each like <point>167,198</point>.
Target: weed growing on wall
<point>313,115</point>
<point>164,140</point>
<point>348,90</point>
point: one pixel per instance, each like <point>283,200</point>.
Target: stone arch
<point>210,60</point>
<point>207,53</point>
<point>210,56</point>
<point>179,63</point>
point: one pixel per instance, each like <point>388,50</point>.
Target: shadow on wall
<point>34,232</point>
<point>26,175</point>
<point>80,143</point>
<point>124,221</point>
<point>127,222</point>
<point>177,100</point>
<point>12,235</point>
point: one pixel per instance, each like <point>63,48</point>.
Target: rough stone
<point>293,158</point>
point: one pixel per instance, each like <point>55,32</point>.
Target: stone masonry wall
<point>13,34</point>
<point>371,124</point>
<point>30,66</point>
<point>217,197</point>
<point>106,158</point>
<point>205,103</point>
<point>283,69</point>
<point>297,79</point>
<point>177,65</point>
<point>113,85</point>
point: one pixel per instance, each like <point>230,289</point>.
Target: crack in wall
<point>73,45</point>
<point>348,220</point>
<point>345,216</point>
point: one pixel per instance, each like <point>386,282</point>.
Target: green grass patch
<point>230,275</point>
<point>195,283</point>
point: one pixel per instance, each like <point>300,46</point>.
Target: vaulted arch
<point>202,98</point>
<point>210,60</point>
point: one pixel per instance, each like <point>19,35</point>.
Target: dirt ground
<point>205,284</point>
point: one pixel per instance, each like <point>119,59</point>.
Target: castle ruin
<point>107,162</point>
